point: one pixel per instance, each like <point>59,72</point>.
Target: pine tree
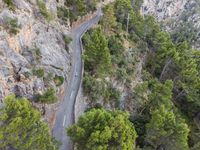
<point>97,56</point>
<point>99,129</point>
<point>21,127</point>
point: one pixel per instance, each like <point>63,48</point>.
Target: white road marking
<point>71,94</point>
<point>64,121</point>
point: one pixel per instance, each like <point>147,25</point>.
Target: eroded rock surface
<point>38,44</point>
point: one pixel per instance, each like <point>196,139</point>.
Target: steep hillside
<point>180,17</point>
<point>34,55</point>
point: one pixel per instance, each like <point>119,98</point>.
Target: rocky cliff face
<point>32,49</point>
<point>180,17</point>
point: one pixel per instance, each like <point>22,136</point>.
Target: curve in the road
<point>65,113</point>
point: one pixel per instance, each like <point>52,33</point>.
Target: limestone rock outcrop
<point>29,42</point>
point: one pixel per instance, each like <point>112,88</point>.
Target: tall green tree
<point>97,56</point>
<point>187,80</point>
<point>99,129</point>
<point>122,8</point>
<point>167,130</point>
<point>161,94</point>
<point>108,20</point>
<point>21,127</point>
<point>164,126</point>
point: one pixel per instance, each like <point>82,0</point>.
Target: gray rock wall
<point>38,45</point>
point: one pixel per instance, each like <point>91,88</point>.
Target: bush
<point>43,9</point>
<point>80,8</point>
<point>37,53</point>
<point>39,73</point>
<point>58,80</point>
<point>12,25</point>
<point>48,97</point>
<point>67,41</point>
<point>62,13</point>
<point>95,89</point>
<point>114,94</point>
<point>10,4</point>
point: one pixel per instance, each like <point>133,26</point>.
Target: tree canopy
<point>168,99</point>
<point>21,127</point>
<point>167,130</point>
<point>99,129</point>
<point>108,20</point>
<point>96,56</point>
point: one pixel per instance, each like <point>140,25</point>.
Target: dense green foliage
<point>58,80</point>
<point>21,127</point>
<point>63,13</point>
<point>166,130</point>
<point>43,9</point>
<point>96,46</point>
<point>165,126</point>
<point>80,7</point>
<point>168,99</point>
<point>47,97</point>
<point>167,61</point>
<point>100,89</point>
<point>99,129</point>
<point>96,89</point>
<point>108,21</point>
<point>38,72</point>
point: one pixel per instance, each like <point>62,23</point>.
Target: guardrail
<point>82,65</point>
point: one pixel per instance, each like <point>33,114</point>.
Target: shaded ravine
<point>65,113</point>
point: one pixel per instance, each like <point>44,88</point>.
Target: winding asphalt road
<point>65,113</point>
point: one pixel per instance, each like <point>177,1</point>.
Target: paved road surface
<point>65,113</point>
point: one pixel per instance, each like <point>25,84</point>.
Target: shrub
<point>37,53</point>
<point>67,39</point>
<point>101,129</point>
<point>48,97</point>
<point>43,9</point>
<point>10,4</point>
<point>95,89</point>
<point>12,25</point>
<point>114,94</point>
<point>39,73</point>
<point>58,80</point>
<point>62,13</point>
<point>80,7</point>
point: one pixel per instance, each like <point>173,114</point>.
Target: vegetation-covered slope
<point>164,105</point>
